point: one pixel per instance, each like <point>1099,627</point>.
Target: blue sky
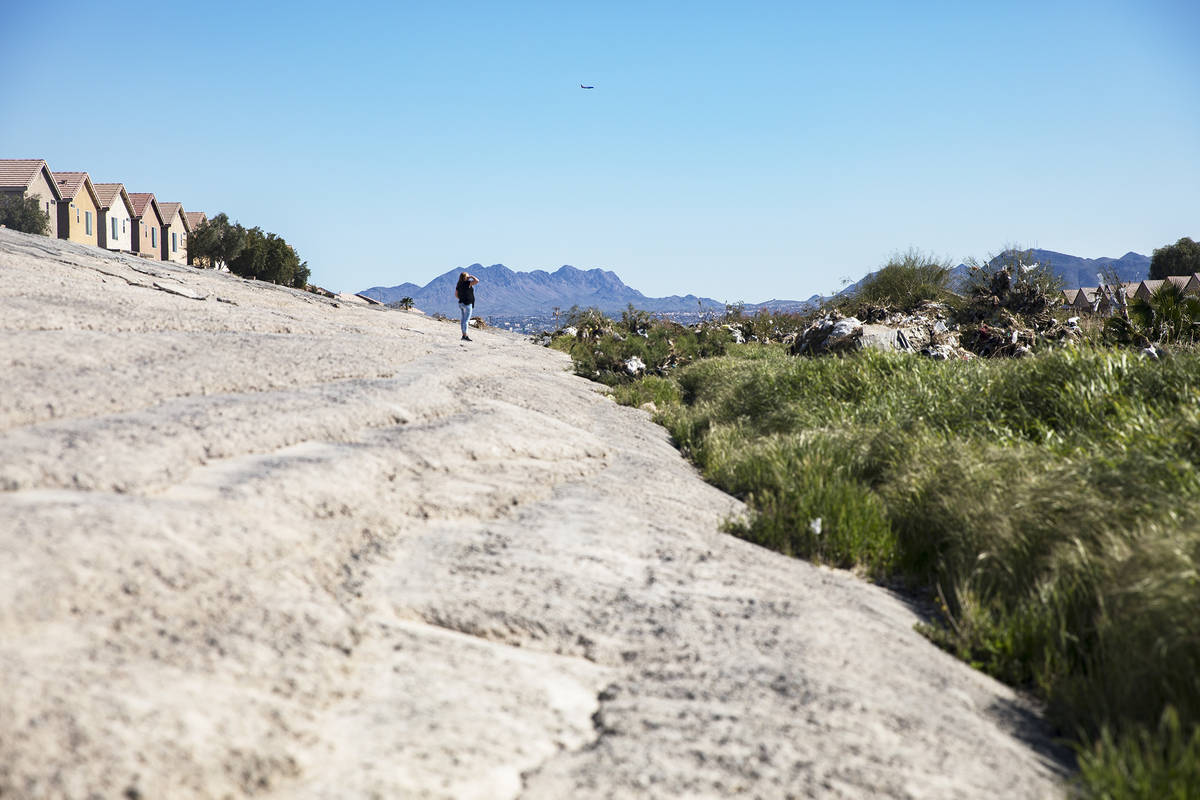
<point>740,151</point>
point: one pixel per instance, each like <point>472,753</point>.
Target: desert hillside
<point>259,543</point>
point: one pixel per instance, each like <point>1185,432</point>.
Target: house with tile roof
<point>79,209</point>
<point>1067,297</point>
<point>1086,298</point>
<point>174,233</point>
<point>1188,284</point>
<point>116,217</point>
<point>194,220</point>
<point>31,177</point>
<point>147,225</point>
<point>1147,288</point>
<point>1090,298</point>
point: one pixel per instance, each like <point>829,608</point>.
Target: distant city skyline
<point>767,150</point>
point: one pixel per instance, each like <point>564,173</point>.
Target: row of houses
<point>1092,299</point>
<point>102,214</point>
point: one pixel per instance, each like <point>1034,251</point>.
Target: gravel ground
<point>259,543</point>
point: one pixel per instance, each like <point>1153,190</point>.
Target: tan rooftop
<point>141,201</point>
<point>17,173</point>
<point>69,183</point>
<point>169,210</point>
<point>107,193</point>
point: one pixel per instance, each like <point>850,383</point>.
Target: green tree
<point>267,257</point>
<point>217,241</point>
<point>1181,258</point>
<point>251,259</point>
<point>406,303</point>
<point>23,214</point>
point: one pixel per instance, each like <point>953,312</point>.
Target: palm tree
<point>1167,316</point>
<point>406,303</point>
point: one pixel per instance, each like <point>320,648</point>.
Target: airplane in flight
<point>581,86</point>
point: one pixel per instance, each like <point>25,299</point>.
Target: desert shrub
<point>615,352</point>
<point>765,326</point>
<point>904,283</point>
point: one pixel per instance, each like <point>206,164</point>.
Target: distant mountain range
<point>505,292</point>
<point>1077,272</point>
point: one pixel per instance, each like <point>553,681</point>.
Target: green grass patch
<point>1050,505</point>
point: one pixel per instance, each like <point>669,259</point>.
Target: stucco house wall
<point>147,225</point>
<point>79,212</point>
<point>116,217</point>
<point>31,177</point>
<point>174,233</point>
<point>40,188</point>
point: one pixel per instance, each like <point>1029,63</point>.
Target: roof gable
<point>172,210</point>
<point>143,204</point>
<point>109,193</point>
<point>72,183</point>
<point>195,219</point>
<point>17,174</point>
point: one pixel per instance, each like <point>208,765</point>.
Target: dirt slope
<point>254,543</point>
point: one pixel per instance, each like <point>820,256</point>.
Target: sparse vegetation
<point>615,351</point>
<point>1049,506</point>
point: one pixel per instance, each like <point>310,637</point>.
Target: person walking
<point>465,292</point>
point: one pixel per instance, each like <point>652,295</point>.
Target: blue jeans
<point>466,315</point>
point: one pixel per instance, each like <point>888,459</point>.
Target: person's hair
<point>462,276</point>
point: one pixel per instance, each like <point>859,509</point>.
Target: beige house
<point>1085,299</point>
<point>174,232</point>
<point>1090,298</point>
<point>147,225</point>
<point>194,220</point>
<point>1068,297</point>
<point>116,217</point>
<point>1147,288</point>
<point>79,209</point>
<point>31,177</point>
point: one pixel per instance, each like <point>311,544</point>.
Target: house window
<point>114,227</point>
<point>154,237</point>
<point>123,225</point>
<point>174,242</point>
<point>76,211</point>
<point>87,215</point>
